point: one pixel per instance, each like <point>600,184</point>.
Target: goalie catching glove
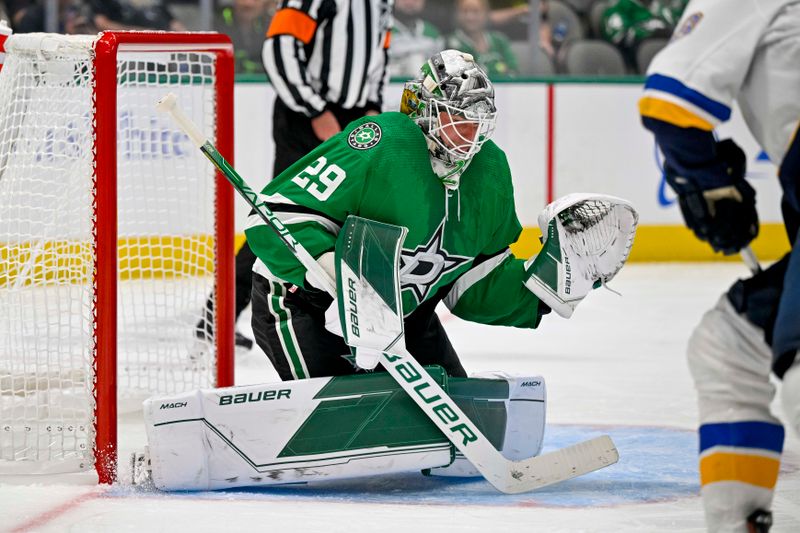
<point>586,239</point>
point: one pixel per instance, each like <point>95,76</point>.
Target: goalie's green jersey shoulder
<point>377,133</point>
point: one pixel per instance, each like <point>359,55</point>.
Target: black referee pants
<point>289,325</point>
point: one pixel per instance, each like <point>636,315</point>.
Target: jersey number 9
<point>320,179</point>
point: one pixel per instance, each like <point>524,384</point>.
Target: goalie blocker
<point>328,428</point>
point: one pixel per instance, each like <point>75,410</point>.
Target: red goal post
<point>116,293</point>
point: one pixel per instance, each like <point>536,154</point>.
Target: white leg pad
<point>526,406</point>
<point>179,450</point>
<point>259,435</point>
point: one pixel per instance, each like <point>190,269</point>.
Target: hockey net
<point>114,231</point>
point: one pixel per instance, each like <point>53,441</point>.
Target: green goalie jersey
<point>379,168</point>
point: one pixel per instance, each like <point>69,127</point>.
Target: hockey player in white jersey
<point>746,52</point>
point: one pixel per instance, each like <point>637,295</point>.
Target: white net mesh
<point>165,242</point>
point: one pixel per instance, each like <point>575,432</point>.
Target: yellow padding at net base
<point>71,261</point>
<point>161,257</point>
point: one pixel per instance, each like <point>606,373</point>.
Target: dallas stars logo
<point>365,136</point>
<point>423,267</point>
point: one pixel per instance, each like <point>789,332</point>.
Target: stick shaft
<point>266,214</point>
<point>169,105</point>
<point>750,259</point>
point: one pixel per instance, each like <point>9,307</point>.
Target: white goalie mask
<point>453,102</point>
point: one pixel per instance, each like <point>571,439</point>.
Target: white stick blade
<point>561,465</point>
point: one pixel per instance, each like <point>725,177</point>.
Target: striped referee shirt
<point>329,51</point>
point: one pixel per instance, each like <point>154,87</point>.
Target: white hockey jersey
<point>731,50</point>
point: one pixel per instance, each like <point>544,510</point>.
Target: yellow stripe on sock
<point>671,113</point>
<point>751,469</point>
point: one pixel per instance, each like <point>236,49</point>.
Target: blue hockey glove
<point>724,216</point>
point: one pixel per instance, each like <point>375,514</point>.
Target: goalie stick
<point>508,476</point>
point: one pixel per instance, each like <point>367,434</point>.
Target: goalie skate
<point>586,240</point>
<point>141,471</point>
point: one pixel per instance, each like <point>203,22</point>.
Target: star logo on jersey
<point>365,136</point>
<point>423,267</point>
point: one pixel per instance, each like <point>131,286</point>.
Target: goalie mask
<point>453,102</point>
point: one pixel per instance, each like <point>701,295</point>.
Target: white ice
<point>618,365</point>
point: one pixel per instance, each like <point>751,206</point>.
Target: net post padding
<point>105,179</point>
<point>225,292</point>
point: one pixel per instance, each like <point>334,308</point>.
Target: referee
<point>327,61</point>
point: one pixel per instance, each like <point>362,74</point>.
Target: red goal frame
<point>104,228</point>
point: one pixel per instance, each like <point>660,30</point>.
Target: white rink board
<point>600,146</point>
<point>522,134</point>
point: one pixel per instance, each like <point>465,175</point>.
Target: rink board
<point>598,145</point>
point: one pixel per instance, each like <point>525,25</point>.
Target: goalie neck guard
<point>453,102</point>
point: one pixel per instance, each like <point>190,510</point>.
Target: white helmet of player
<point>453,102</point>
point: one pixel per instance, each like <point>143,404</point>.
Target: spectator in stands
<point>29,16</point>
<point>509,17</point>
<point>626,23</point>
<point>124,15</point>
<point>414,39</point>
<point>545,30</point>
<point>491,49</point>
<point>513,12</point>
<point>246,23</point>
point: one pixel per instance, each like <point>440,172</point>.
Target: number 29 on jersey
<point>320,179</point>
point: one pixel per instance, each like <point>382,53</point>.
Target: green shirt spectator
<point>490,49</point>
<point>498,60</point>
<point>246,23</point>
<point>628,22</point>
<point>414,39</point>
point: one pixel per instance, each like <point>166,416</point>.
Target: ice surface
<point>617,366</point>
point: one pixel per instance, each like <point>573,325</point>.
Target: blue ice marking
<point>656,464</point>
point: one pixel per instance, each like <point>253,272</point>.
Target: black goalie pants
<point>289,325</point>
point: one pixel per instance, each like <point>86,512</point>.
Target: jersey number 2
<point>320,180</point>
